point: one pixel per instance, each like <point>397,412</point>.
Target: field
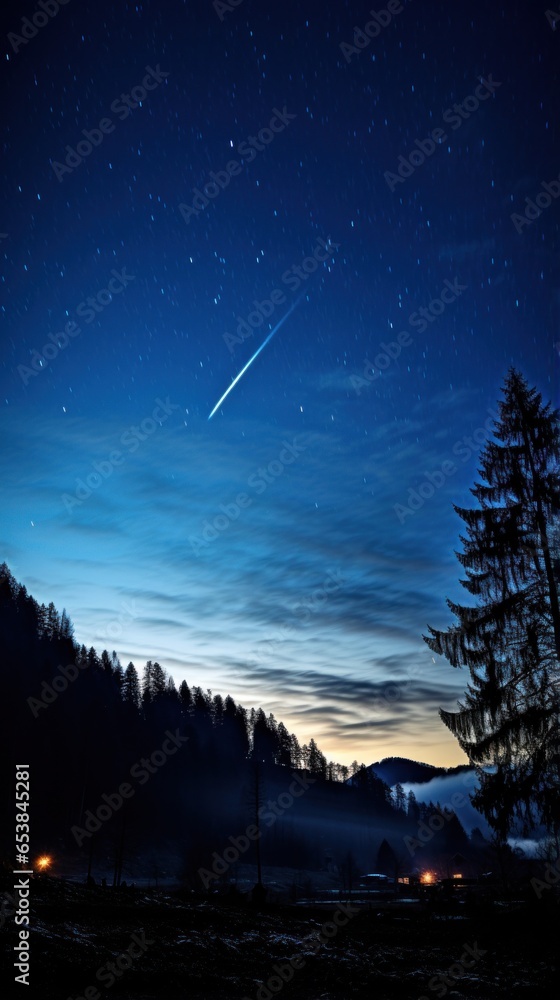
<point>179,945</point>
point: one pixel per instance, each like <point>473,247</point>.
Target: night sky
<point>269,552</point>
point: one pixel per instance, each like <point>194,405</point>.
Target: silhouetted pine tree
<point>412,810</point>
<point>399,797</point>
<point>185,697</point>
<point>131,687</point>
<point>66,627</point>
<point>510,640</point>
<point>264,739</point>
<point>386,860</point>
<point>316,761</point>
<point>284,756</point>
<point>159,681</point>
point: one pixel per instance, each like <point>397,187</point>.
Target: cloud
<point>441,789</point>
<point>242,617</point>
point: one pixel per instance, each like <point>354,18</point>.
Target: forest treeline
<point>196,765</point>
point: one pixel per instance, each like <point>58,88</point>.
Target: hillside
<point>133,762</point>
<point>405,771</point>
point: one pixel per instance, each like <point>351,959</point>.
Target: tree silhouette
<point>131,687</point>
<point>386,860</point>
<point>399,797</point>
<point>412,810</point>
<point>508,724</point>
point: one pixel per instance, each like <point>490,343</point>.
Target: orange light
<point>457,876</point>
<point>44,862</point>
<point>427,878</point>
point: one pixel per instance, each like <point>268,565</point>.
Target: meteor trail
<point>255,355</point>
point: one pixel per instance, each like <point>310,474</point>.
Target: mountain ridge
<point>403,770</point>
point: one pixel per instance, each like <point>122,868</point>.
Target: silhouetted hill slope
<point>405,771</point>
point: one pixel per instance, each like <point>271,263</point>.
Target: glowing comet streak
<point>255,355</point>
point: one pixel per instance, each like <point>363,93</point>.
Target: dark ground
<point>226,949</point>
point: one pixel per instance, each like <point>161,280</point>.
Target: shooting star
<point>255,355</point>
